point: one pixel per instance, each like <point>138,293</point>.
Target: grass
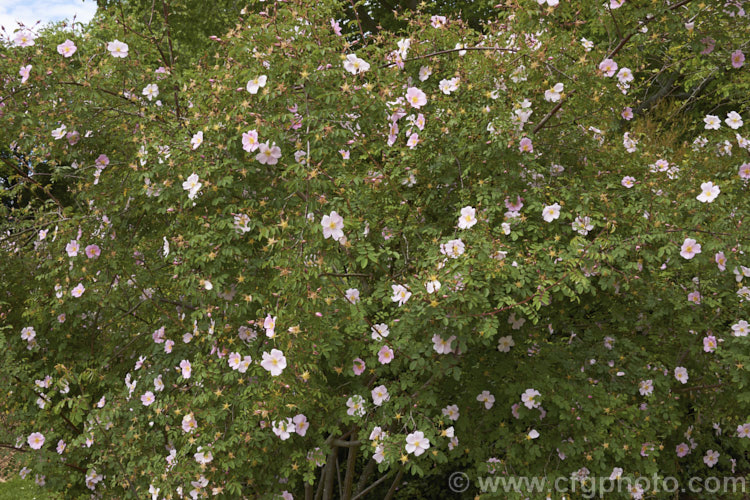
<point>22,489</point>
<point>12,487</point>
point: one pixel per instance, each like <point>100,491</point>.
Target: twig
<point>699,387</point>
<point>171,60</point>
<point>643,23</point>
<point>550,66</point>
<point>614,20</point>
<point>542,292</point>
<point>359,22</point>
<point>347,275</point>
<point>99,89</point>
<point>11,447</point>
<point>76,467</point>
<point>27,176</point>
<point>448,51</point>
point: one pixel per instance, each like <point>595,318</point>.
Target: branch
<point>346,444</point>
<point>338,477</point>
<point>392,490</point>
<point>329,475</point>
<point>319,490</point>
<point>369,469</point>
<point>351,464</point>
<point>552,113</point>
<point>367,490</point>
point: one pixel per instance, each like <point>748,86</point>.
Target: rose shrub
<point>323,261</point>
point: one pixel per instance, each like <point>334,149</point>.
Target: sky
<point>31,11</point>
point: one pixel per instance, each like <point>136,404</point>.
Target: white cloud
<point>29,12</point>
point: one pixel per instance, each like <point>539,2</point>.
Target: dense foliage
<point>323,263</point>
